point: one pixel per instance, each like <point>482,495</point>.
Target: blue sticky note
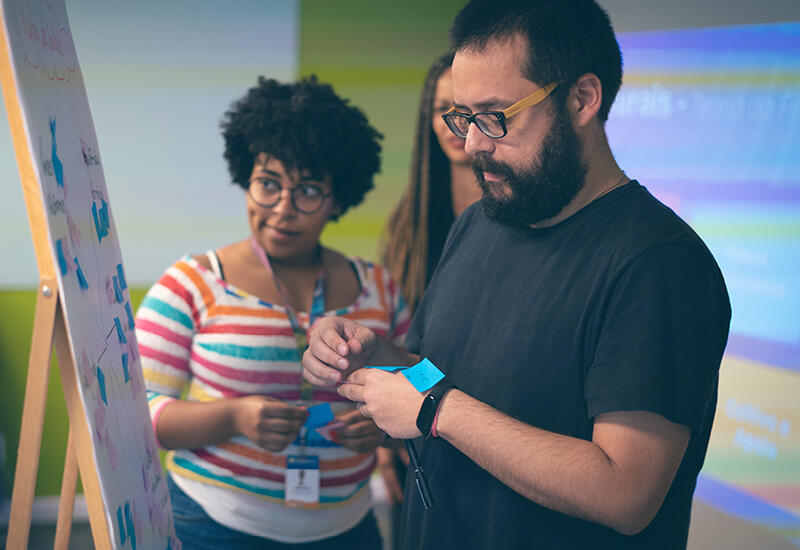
<point>129,524</point>
<point>125,367</point>
<point>117,290</point>
<point>423,376</point>
<point>388,369</point>
<point>84,284</point>
<point>319,415</point>
<point>122,284</point>
<point>104,218</point>
<point>62,261</point>
<point>101,383</point>
<point>97,226</point>
<point>129,311</point>
<point>122,536</point>
<point>120,332</point>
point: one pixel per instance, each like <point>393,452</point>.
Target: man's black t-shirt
<point>620,307</point>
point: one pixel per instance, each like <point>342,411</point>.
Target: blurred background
<point>707,118</point>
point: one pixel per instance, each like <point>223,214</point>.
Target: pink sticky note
<point>100,420</point>
<point>327,430</point>
<point>74,232</point>
<point>113,453</point>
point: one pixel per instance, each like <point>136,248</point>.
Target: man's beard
<point>538,192</point>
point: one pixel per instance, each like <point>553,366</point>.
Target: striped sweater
<point>199,333</point>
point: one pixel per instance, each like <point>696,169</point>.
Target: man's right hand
<point>336,347</point>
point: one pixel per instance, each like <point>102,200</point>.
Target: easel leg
<point>66,504</point>
<point>30,440</point>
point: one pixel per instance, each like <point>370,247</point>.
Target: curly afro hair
<point>306,126</point>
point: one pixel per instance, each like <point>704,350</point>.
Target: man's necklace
<point>623,179</point>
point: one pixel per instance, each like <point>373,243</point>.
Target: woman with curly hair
<point>259,459</point>
<point>441,185</point>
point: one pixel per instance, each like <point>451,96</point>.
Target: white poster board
<point>95,300</point>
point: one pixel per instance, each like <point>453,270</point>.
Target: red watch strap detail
<point>434,433</point>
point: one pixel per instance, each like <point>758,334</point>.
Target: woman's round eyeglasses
<point>306,198</point>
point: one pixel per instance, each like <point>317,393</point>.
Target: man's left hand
<point>388,398</point>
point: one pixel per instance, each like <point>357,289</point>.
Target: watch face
<point>426,415</point>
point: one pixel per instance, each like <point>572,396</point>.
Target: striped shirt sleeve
<point>165,325</point>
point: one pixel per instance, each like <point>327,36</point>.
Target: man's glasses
<point>306,198</point>
<point>493,123</point>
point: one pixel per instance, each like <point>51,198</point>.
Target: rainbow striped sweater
<point>196,330</point>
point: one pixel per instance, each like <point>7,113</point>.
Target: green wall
<point>16,324</point>
<point>374,53</point>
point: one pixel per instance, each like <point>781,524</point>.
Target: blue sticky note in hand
<point>319,415</point>
<point>388,369</point>
<point>423,376</point>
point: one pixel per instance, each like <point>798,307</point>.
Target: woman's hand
<point>359,434</point>
<point>268,422</point>
<point>388,469</point>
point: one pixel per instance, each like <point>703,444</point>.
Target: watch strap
<point>430,406</point>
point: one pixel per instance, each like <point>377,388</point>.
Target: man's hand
<point>388,398</point>
<point>268,422</point>
<point>336,347</point>
<point>360,434</point>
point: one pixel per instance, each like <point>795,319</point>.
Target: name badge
<point>302,481</point>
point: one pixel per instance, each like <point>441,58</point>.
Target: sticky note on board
<point>121,524</point>
<point>84,284</point>
<point>117,289</point>
<point>319,415</point>
<point>101,384</point>
<point>129,524</point>
<point>120,332</point>
<point>62,260</point>
<point>125,367</point>
<point>121,276</point>
<point>129,311</point>
<point>96,220</point>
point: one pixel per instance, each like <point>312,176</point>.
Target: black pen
<point>419,476</point>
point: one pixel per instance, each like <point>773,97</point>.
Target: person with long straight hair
<point>441,186</point>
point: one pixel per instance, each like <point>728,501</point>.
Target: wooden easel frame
<point>49,327</point>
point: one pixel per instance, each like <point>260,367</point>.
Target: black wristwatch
<point>427,412</point>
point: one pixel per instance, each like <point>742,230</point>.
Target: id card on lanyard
<point>302,470</point>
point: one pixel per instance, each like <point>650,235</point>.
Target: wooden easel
<point>48,327</point>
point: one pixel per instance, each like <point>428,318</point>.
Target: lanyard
<point>317,309</point>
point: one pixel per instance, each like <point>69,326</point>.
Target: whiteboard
<point>81,232</point>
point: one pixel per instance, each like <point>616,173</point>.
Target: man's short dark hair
<point>306,126</point>
<point>566,39</point>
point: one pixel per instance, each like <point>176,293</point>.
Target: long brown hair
<point>418,226</point>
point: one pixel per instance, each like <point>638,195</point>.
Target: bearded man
<point>579,322</point>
